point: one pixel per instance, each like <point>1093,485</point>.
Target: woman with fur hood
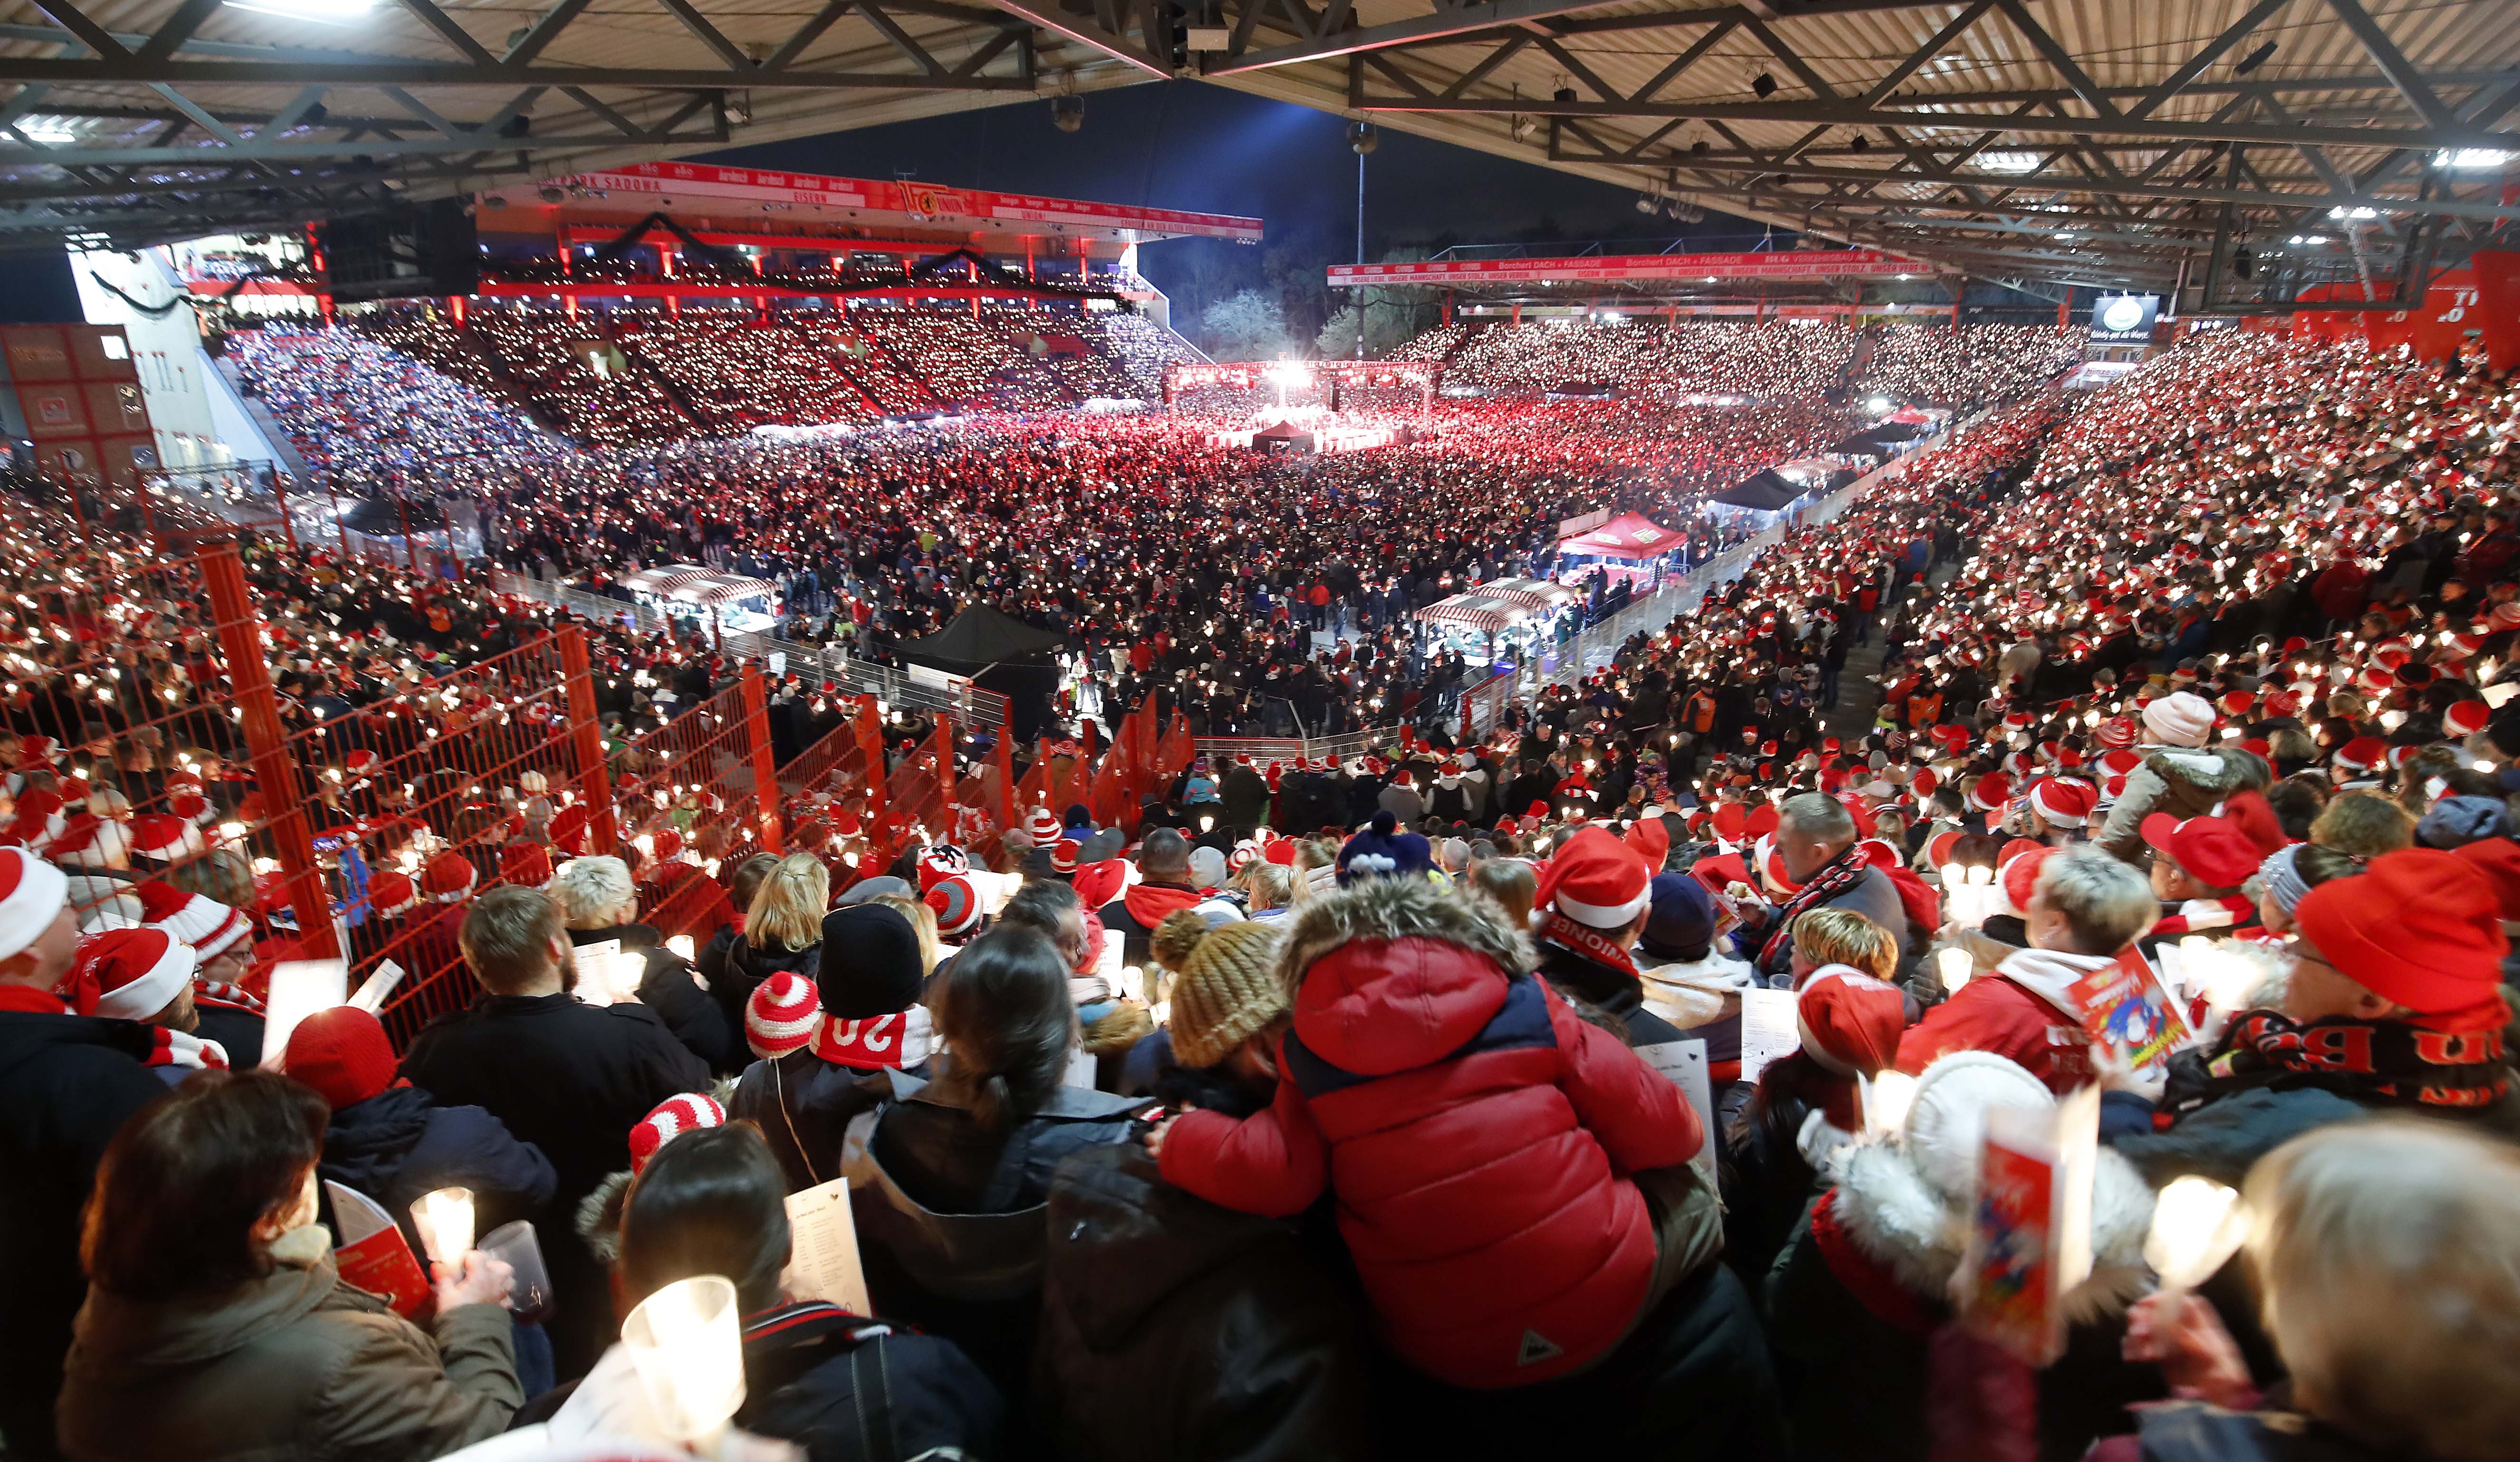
<point>1858,1308</point>
<point>2184,774</point>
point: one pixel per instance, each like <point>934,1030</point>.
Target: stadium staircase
<point>640,362</point>
<point>833,359</point>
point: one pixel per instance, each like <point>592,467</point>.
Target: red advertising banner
<point>920,202</point>
<point>2497,298</point>
<point>1839,263</point>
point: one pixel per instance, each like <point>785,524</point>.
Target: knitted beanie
<point>672,1117</point>
<point>782,1015</point>
<point>1226,986</point>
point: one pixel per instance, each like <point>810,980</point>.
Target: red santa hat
<point>32,894</point>
<point>390,895</point>
<point>1596,881</point>
<point>2064,801</point>
<point>2363,754</point>
<point>1062,854</point>
<point>2464,719</point>
<point>448,878</point>
<point>527,865</point>
<point>569,830</point>
<point>1850,1023</point>
<point>164,837</point>
<point>1991,793</point>
<point>137,972</point>
<point>2016,873</point>
<point>671,1118</point>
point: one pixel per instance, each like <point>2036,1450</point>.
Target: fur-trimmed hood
<point>1393,974</point>
<point>2214,772</point>
<point>597,1219</point>
<point>1399,908</point>
<point>1890,1212</point>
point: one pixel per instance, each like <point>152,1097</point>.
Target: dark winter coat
<point>803,1106</point>
<point>848,1388</point>
<point>1175,1329</point>
<point>1246,797</point>
<point>68,1083</point>
<point>1875,896</point>
<point>2226,1136</point>
<point>1611,992</point>
<point>573,1080</point>
<point>953,1217</point>
<point>238,1030</point>
<point>398,1144</point>
<point>667,988</point>
<point>2182,781</point>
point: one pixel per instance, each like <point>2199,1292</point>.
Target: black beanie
<point>870,963</point>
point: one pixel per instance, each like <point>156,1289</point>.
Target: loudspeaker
<point>429,249</point>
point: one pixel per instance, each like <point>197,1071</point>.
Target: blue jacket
<point>399,1144</point>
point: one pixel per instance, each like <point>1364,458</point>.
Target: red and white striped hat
<point>672,1117</point>
<point>204,922</point>
<point>782,1015</point>
<point>1042,825</point>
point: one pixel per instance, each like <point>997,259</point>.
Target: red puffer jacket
<point>1477,1134</point>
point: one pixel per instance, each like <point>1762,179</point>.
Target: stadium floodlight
<point>1067,113</point>
<point>2354,215</point>
<point>2471,159</point>
<point>47,134</point>
<point>2308,240</point>
<point>323,11</point>
<point>1878,405</point>
<point>2005,162</point>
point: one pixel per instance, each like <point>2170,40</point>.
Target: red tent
<point>1627,536</point>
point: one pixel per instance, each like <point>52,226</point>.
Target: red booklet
<point>2125,1009</point>
<point>373,1254</point>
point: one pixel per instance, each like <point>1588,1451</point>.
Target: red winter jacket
<point>1477,1134</point>
<point>2020,1013</point>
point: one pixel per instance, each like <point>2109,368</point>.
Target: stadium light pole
<point>1360,251</point>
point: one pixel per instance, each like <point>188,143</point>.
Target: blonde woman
<point>922,922</point>
<point>1843,936</point>
<point>782,929</point>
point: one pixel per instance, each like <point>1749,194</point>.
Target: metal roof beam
<point>1848,114</point>
<point>2089,185</point>
<point>1106,28</point>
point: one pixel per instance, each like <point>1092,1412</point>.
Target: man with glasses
<point>2394,1003</point>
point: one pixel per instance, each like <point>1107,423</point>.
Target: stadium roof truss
<point>2093,141</point>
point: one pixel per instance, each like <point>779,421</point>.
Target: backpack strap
<point>872,1380</point>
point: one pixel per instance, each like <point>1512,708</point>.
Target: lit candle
<point>444,1218</point>
<point>1955,965</point>
<point>687,1344</point>
<point>681,944</point>
<point>2197,1224</point>
<point>1886,1100</point>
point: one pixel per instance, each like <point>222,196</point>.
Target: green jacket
<point>293,1367</point>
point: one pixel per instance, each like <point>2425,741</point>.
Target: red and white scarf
<point>1826,882</point>
<point>876,1042</point>
<point>168,1048</point>
<point>1590,944</point>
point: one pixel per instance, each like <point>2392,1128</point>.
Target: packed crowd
<point>622,375</point>
<point>1969,365</point>
<point>1627,1078</point>
<point>1778,359</point>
